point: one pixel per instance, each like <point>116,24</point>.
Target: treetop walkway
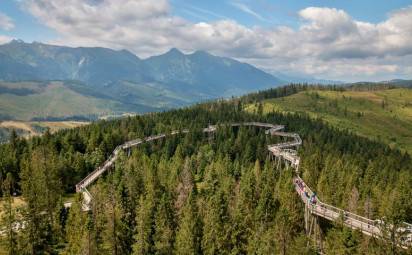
<point>287,153</point>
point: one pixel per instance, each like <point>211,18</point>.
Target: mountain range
<point>300,78</point>
<point>119,80</point>
<point>47,82</point>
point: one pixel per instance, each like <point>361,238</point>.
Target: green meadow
<point>385,115</point>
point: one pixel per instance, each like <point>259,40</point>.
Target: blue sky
<point>283,12</point>
<point>27,27</point>
<point>345,40</point>
<point>273,12</point>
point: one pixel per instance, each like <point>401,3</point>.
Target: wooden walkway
<point>287,152</point>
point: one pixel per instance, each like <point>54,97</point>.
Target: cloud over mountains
<point>328,42</point>
<point>6,23</point>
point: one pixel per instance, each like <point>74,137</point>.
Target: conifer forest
<point>196,193</point>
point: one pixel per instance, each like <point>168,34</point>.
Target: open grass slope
<point>385,115</point>
<point>29,129</point>
<point>51,100</point>
<point>37,127</point>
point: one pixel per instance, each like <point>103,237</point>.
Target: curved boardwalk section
<point>286,152</point>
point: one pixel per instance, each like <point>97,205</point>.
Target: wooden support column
<point>279,163</point>
<point>306,220</point>
<point>312,229</point>
<point>210,136</point>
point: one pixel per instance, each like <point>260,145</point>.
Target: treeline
<point>90,117</point>
<point>371,86</point>
<point>295,88</point>
<point>195,195</point>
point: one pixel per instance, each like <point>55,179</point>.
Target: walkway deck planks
<point>286,151</point>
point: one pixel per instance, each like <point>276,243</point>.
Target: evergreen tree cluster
<point>193,195</point>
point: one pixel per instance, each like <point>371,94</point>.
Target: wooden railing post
<point>281,152</point>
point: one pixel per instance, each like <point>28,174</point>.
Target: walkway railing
<point>284,150</point>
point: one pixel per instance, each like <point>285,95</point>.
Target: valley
<point>50,100</point>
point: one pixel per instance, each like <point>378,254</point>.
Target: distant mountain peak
<point>15,41</point>
<point>201,53</point>
<point>129,53</point>
<point>175,52</point>
<point>190,76</point>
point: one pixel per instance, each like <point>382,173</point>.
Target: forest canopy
<point>193,195</point>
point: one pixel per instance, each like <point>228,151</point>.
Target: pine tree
<point>99,233</point>
<point>288,218</point>
<point>144,220</point>
<point>263,242</point>
<point>111,234</point>
<point>283,231</point>
<point>41,188</point>
<point>187,236</point>
<point>214,239</point>
<point>9,218</point>
<point>342,241</point>
<point>164,234</point>
<point>300,246</point>
<point>76,229</point>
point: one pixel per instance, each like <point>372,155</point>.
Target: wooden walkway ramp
<point>287,152</point>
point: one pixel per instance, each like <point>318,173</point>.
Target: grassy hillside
<point>28,129</point>
<point>50,100</point>
<point>67,99</point>
<point>383,114</point>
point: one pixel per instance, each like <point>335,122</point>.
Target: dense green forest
<point>193,195</point>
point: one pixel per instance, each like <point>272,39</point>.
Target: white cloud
<point>206,12</point>
<point>5,39</point>
<point>328,43</point>
<point>246,9</point>
<point>6,23</point>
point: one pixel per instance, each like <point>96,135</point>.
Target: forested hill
<point>381,112</point>
<point>195,195</point>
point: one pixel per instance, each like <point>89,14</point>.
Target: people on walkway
<point>300,186</point>
<point>313,199</point>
